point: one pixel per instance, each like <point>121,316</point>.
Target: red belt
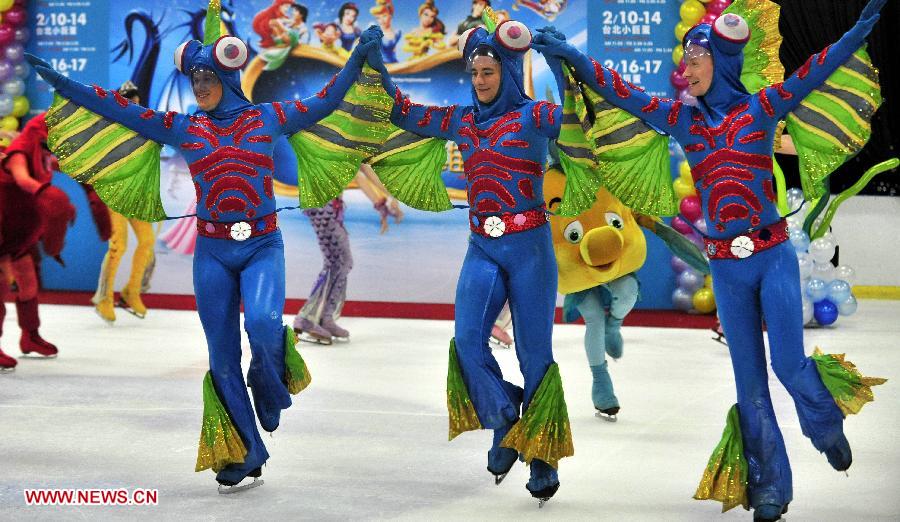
<point>509,223</point>
<point>239,230</point>
<point>745,245</point>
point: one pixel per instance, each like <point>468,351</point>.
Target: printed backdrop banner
<point>295,49</point>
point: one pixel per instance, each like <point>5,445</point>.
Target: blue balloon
<point>799,239</point>
<point>816,290</point>
<point>848,306</point>
<point>825,312</point>
<point>838,291</point>
<point>690,280</point>
<point>683,300</point>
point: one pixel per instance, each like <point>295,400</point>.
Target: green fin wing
<point>833,122</point>
<point>121,165</point>
<point>762,65</point>
<point>576,155</point>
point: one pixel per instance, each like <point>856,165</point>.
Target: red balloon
<point>20,3</point>
<point>678,80</point>
<point>681,67</point>
<point>15,16</point>
<point>7,33</point>
<point>717,6</point>
<point>690,208</point>
<point>681,225</point>
<point>709,18</point>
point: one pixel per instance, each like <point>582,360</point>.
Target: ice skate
<point>500,338</point>
<point>309,332</point>
<point>544,482</point>
<point>227,487</point>
<point>106,309</point>
<point>32,343</point>
<point>769,513</point>
<point>720,334</point>
<point>602,394</point>
<point>338,333</point>
<point>7,363</point>
<point>132,304</point>
<point>501,460</point>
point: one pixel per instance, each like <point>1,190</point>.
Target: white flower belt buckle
<point>240,231</point>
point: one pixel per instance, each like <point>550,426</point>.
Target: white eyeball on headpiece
<point>513,35</point>
<point>179,55</point>
<point>464,39</point>
<point>230,53</point>
<point>732,28</point>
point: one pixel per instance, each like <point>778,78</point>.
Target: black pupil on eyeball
<point>573,235</point>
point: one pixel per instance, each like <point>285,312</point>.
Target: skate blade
<point>37,356</point>
<point>497,343</point>
<point>337,339</point>
<point>720,339</point>
<point>499,478</point>
<point>7,370</point>
<point>606,417</point>
<point>306,338</point>
<point>542,501</point>
<point>228,490</point>
<point>122,304</point>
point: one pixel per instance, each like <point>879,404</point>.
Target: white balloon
<point>806,265</point>
<point>807,311</point>
<point>823,271</point>
<point>845,273</point>
<point>821,250</point>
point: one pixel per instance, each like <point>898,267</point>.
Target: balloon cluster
<point>13,69</point>
<point>693,291</point>
<point>692,12</point>
<point>825,289</point>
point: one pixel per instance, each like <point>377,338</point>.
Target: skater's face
<point>478,8</point>
<point>485,78</point>
<point>699,74</point>
<point>207,89</point>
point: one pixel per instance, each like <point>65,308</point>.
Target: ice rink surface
<point>121,408</point>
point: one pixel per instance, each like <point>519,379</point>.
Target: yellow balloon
<point>682,188</point>
<point>704,301</point>
<point>677,54</point>
<point>4,142</point>
<point>9,123</point>
<point>691,12</point>
<point>681,29</point>
<point>684,171</point>
<point>707,281</point>
<point>6,4</point>
<point>20,106</point>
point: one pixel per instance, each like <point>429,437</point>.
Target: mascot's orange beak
<point>602,246</point>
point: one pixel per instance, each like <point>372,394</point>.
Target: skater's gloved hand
<point>45,70</point>
<point>550,42</point>
<point>368,40</point>
<point>870,14</point>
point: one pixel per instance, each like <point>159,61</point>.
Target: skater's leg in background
<point>623,295</point>
<point>500,330</point>
<point>25,274</point>
<point>341,261</point>
<point>820,418</point>
<point>6,362</point>
<point>310,316</point>
<point>591,309</point>
<point>217,288</point>
<point>118,242</point>
<point>143,254</point>
<point>262,288</point>
<point>737,297</point>
<point>480,293</point>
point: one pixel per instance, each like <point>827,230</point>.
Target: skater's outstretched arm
<point>784,98</point>
<point>431,121</point>
<point>160,127</point>
<point>661,113</point>
<point>295,116</point>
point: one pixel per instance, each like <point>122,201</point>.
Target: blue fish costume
<point>728,140</point>
<point>510,255</point>
<point>106,140</point>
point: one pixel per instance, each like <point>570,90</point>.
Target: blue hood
<point>728,61</point>
<point>511,94</point>
<point>199,56</point>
